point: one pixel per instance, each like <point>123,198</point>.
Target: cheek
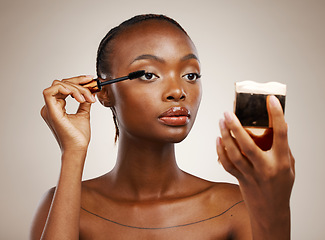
<point>195,95</point>
<point>137,107</point>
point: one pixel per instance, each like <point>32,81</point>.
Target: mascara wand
<point>96,85</point>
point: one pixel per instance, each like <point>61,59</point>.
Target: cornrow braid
<point>105,48</point>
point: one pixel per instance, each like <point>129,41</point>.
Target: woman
<point>146,195</point>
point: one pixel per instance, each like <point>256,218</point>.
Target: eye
<point>149,76</point>
<point>192,76</point>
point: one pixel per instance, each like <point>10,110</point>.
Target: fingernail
<point>93,98</point>
<point>219,141</point>
<point>222,124</point>
<point>228,117</point>
<point>273,100</point>
<point>82,98</point>
<point>89,76</point>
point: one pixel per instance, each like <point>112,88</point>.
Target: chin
<point>175,137</point>
<point>175,140</point>
<point>166,134</point>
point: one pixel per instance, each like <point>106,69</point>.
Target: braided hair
<point>105,48</point>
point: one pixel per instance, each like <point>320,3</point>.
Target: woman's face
<point>162,105</point>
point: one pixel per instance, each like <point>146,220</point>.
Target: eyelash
<point>196,75</point>
<point>148,76</point>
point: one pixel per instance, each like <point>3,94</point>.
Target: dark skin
<point>146,188</point>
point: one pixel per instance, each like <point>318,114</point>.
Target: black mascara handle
<point>131,76</point>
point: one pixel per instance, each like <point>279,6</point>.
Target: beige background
<point>237,40</point>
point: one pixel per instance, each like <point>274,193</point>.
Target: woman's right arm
<point>57,216</point>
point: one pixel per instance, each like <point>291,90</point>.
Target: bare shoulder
<point>221,198</point>
<point>219,191</point>
<point>228,198</point>
<point>226,192</point>
<point>41,213</point>
<point>226,202</point>
<point>94,185</point>
<point>95,190</point>
<point>231,201</point>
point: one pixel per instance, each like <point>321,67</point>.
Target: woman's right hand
<point>72,131</point>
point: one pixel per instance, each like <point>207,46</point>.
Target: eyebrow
<point>190,56</point>
<point>148,56</point>
<point>158,59</point>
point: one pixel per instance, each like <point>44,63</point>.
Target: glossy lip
<point>175,116</point>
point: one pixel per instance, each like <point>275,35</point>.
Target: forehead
<point>156,37</point>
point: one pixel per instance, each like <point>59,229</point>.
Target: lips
<point>175,116</point>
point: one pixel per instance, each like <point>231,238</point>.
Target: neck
<point>145,170</point>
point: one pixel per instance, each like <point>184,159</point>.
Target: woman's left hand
<point>265,177</point>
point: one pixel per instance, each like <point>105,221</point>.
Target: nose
<point>174,91</point>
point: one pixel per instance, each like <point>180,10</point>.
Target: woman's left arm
<point>265,177</point>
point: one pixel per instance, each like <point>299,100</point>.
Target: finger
<point>73,91</point>
<point>268,112</point>
<point>84,108</point>
<point>245,142</point>
<point>79,80</point>
<point>54,98</point>
<point>82,94</point>
<point>224,160</point>
<point>233,151</point>
<point>280,127</point>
